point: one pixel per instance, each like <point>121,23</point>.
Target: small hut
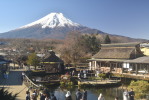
<point>52,63</point>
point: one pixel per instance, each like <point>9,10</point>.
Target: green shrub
<point>102,75</point>
<point>70,83</point>
<point>140,88</point>
<point>62,83</point>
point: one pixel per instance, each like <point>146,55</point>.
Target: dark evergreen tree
<point>5,95</point>
<point>91,43</point>
<point>107,40</point>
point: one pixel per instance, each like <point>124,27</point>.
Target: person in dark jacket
<point>131,94</point>
<point>78,95</point>
<point>53,97</point>
<point>27,95</point>
<point>84,97</point>
<point>42,96</point>
<point>68,96</point>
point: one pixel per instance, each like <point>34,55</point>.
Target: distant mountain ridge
<point>54,26</point>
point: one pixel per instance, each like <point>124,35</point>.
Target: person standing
<point>23,75</point>
<point>131,94</point>
<point>78,95</point>
<point>7,74</point>
<point>53,97</point>
<point>68,96</point>
<point>27,95</point>
<point>126,95</point>
<point>47,98</point>
<point>34,96</point>
<point>79,76</point>
<point>101,97</point>
<point>84,97</point>
<point>4,74</point>
<point>73,73</point>
<point>42,96</point>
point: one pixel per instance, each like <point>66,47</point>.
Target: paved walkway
<point>14,83</point>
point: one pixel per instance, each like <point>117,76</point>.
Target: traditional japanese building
<point>52,63</point>
<point>120,58</point>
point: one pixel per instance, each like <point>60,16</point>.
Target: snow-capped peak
<point>53,20</point>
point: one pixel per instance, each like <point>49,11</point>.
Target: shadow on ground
<point>14,78</point>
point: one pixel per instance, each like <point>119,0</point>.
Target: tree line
<point>75,48</point>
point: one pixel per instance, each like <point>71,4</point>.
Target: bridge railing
<point>29,83</point>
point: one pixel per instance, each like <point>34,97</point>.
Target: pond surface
<point>93,93</point>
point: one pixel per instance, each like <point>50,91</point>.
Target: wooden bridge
<point>29,83</point>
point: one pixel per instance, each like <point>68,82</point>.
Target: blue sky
<point>120,17</point>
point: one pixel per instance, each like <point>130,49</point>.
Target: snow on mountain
<point>56,26</point>
<point>53,20</point>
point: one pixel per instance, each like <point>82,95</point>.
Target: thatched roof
<point>51,57</point>
<point>119,51</point>
<point>144,59</point>
<point>108,60</point>
<point>133,44</point>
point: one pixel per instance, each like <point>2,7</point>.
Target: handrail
<point>31,81</point>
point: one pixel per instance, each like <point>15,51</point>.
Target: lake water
<point>93,93</point>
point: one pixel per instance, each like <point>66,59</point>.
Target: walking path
<point>14,83</point>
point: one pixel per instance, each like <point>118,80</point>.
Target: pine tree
<point>91,43</point>
<point>107,40</point>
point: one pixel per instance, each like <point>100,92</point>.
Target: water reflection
<point>93,93</point>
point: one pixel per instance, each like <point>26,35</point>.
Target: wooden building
<point>52,63</point>
<point>120,58</point>
<point>138,65</point>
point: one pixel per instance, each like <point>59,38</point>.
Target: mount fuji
<point>53,20</point>
<point>54,26</point>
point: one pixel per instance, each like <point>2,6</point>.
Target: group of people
<point>44,95</point>
<point>33,96</point>
<point>81,96</point>
<point>82,74</point>
<point>127,95</point>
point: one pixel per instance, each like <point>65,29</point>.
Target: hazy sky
<point>120,17</point>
